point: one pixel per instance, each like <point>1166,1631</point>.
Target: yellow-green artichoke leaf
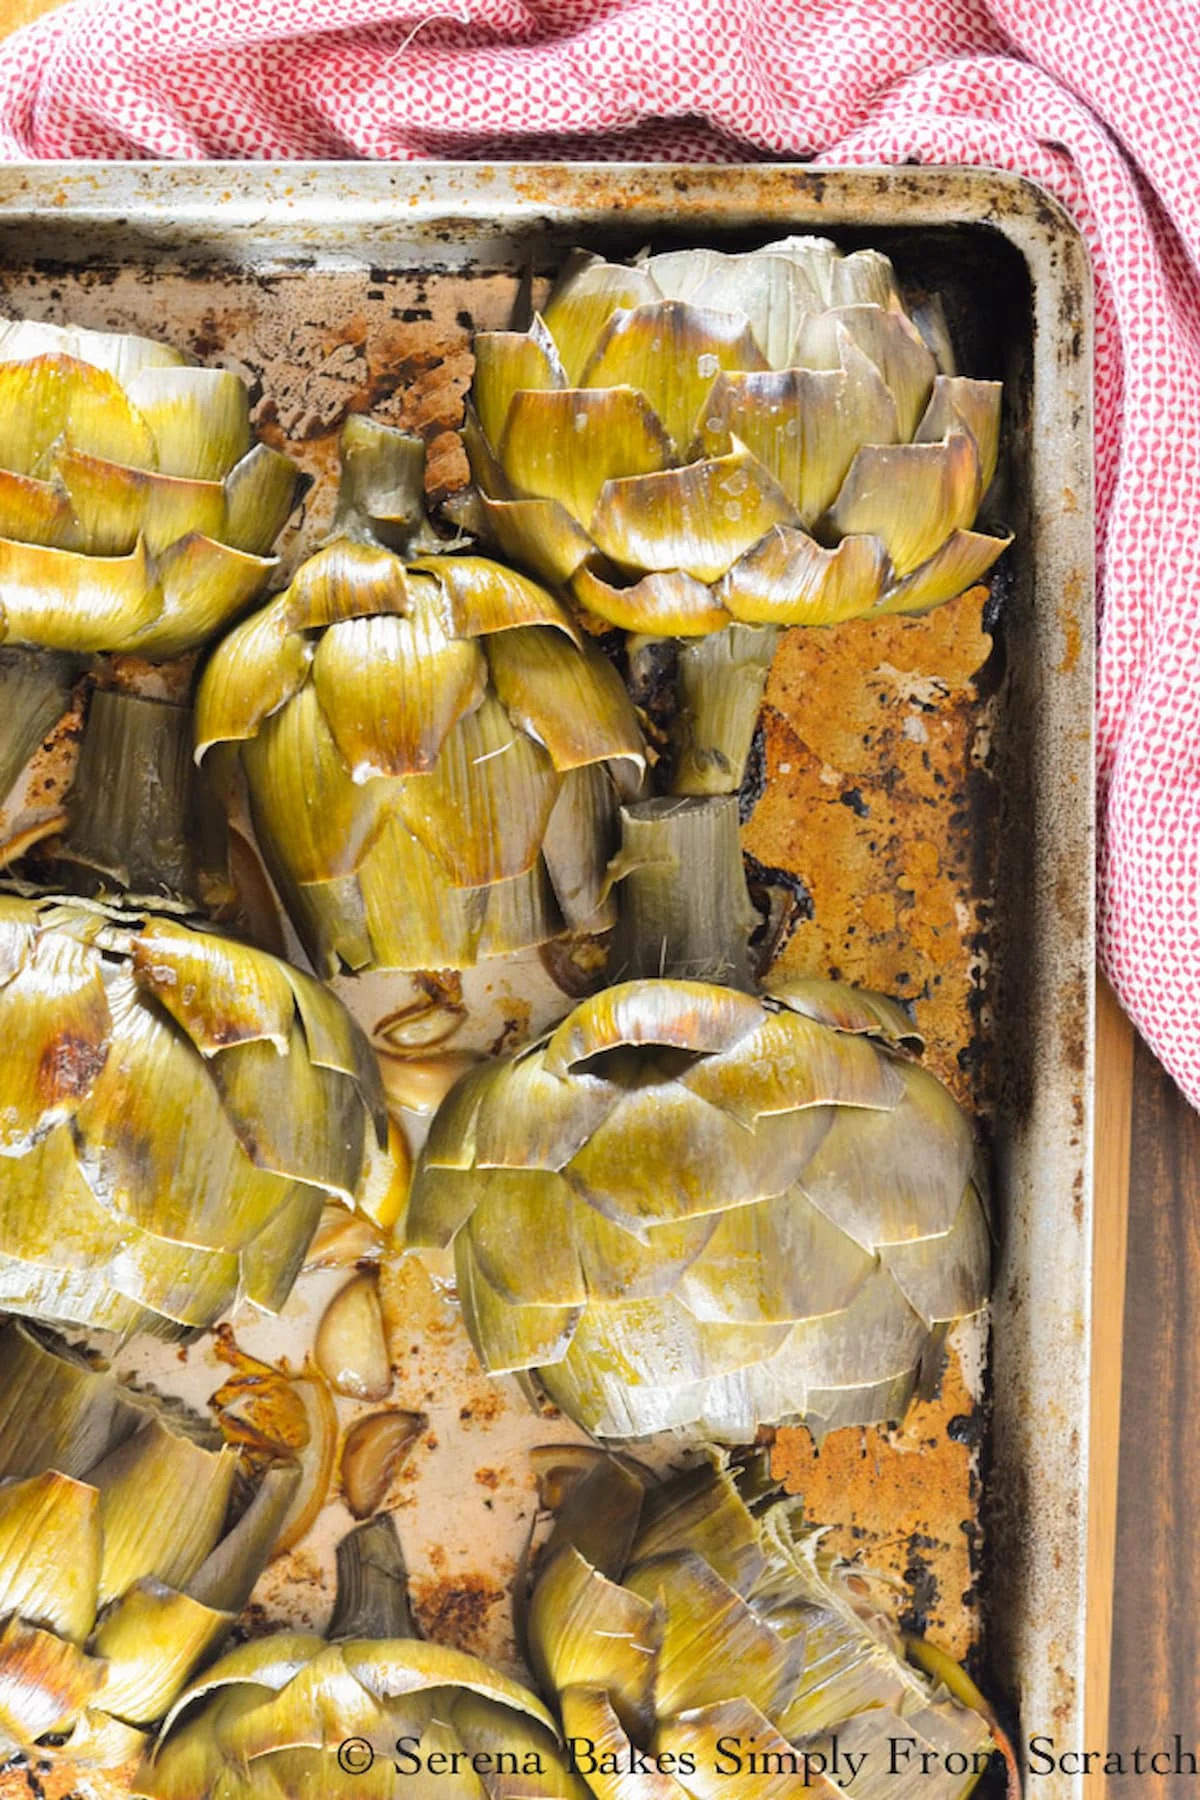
<point>579,840</point>
<point>199,419</point>
<point>152,1638</point>
<point>50,1553</point>
<point>251,673</point>
<point>505,362</point>
<point>541,535</point>
<point>619,1264</point>
<point>390,1668</point>
<point>481,596</point>
<point>911,496</point>
<point>571,701</point>
<point>217,990</point>
<point>438,926</point>
<point>57,1029</point>
<point>486,1728</point>
<point>850,1009</point>
<point>60,600</point>
<point>787,1063</point>
<point>959,403</point>
<point>564,444</point>
<point>508,1338</point>
<point>888,339</point>
<point>778,1260</point>
<point>702,1512</point>
<point>777,1773</point>
<point>114,505</point>
<point>588,1714</point>
<point>260,492</point>
<point>70,1297</point>
<point>587,1629</point>
<point>588,294</point>
<point>118,353</point>
<point>392,688</point>
<point>686,1015</point>
<point>293,1118</point>
<point>668,604</point>
<point>54,1412</point>
<point>204,585</point>
<point>345,580</point>
<point>37,512</point>
<point>163,1503</point>
<point>708,1631</point>
<point>45,1683</point>
<point>529,1118</point>
<point>698,519</point>
<point>302,797</point>
<point>878,1331</point>
<point>54,401</point>
<point>519,912</point>
<point>269,1264</point>
<point>945,1278</point>
<point>789,579</point>
<point>772,292</point>
<point>516,1209</point>
<point>671,353</point>
<point>962,560</point>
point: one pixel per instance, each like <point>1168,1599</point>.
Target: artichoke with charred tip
<point>122,1562</point>
<point>175,1110</point>
<point>370,1710</point>
<point>136,511</point>
<point>698,1641</point>
<point>705,443</point>
<point>432,753</point>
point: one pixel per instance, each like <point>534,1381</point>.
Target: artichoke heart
<point>746,1209</point>
<point>432,753</point>
<point>175,1110</point>
<point>705,440</point>
<point>364,1711</point>
<point>122,1562</point>
<point>698,1641</point>
<point>136,511</point>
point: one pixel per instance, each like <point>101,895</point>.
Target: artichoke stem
<point>381,499</point>
<point>683,908</point>
<point>139,812</point>
<point>720,688</point>
<point>372,1584</point>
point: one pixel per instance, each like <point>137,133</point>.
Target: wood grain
<point>1155,1689</point>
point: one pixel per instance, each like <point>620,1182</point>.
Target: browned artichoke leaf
<point>251,673</point>
<point>671,353</point>
<point>153,1638</point>
<point>584,1628</point>
<point>962,560</point>
<point>788,579</point>
<point>946,1278</point>
<point>480,596</point>
<point>541,535</point>
<point>710,1630</point>
<point>529,1118</point>
<point>587,1713</point>
<point>892,1177</point>
<point>219,991</point>
<point>199,419</point>
<point>302,797</point>
<point>260,492</point>
<point>163,1503</point>
<point>519,912</point>
<point>65,601</point>
<point>204,585</point>
<point>588,294</point>
<point>778,1260</point>
<point>887,339</point>
<point>518,1208</point>
<point>345,580</point>
<point>482,810</point>
<point>115,505</point>
<point>37,512</point>
<point>50,1553</point>
<point>958,403</point>
<point>777,1773</point>
<point>789,1062</point>
<point>571,701</point>
<point>292,1117</point>
<point>54,1015</point>
<point>669,604</point>
<point>580,838</point>
<point>698,519</point>
<point>846,1008</point>
<point>911,496</point>
<point>505,362</point>
<point>45,1683</point>
<point>270,1262</point>
<point>437,926</point>
<point>507,1338</point>
<point>565,443</point>
<point>56,400</point>
<point>662,1154</point>
<point>620,1265</point>
<point>803,425</point>
<point>154,1142</point>
<point>685,1015</point>
<point>392,688</point>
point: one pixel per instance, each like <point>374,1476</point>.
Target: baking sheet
<point>921,816</point>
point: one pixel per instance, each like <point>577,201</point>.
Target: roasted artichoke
<point>704,443</point>
<point>136,513</point>
<point>690,1208</point>
<point>121,1567</point>
<point>175,1108</point>
<point>699,1643</point>
<point>371,1711</point>
<point>431,751</point>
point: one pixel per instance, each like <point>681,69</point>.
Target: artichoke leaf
<point>703,1512</point>
<point>251,673</point>
<point>571,701</point>
<point>772,292</point>
<point>199,419</point>
<point>789,579</point>
<point>117,353</point>
<point>777,1775</point>
<point>878,1331</point>
<point>945,1278</point>
<point>438,926</point>
<point>451,1140</point>
<point>391,688</point>
<point>528,1118</point>
<point>204,585</point>
<point>485,1728</point>
<point>854,1009</point>
<point>668,604</point>
<point>599,1518</point>
<point>50,1553</point>
<point>323,1704</point>
<point>58,600</point>
<point>163,1503</point>
<point>152,1639</point>
<point>505,362</point>
<point>38,512</point>
<point>271,1261</point>
<point>57,1029</point>
<point>508,1338</point>
<point>114,505</point>
<point>621,1264</point>
<point>517,1209</point>
<point>45,1683</point>
<point>218,991</point>
<point>588,1713</point>
<point>974,406</point>
<point>54,401</point>
<point>671,352</point>
<point>480,596</point>
<point>55,1412</point>
<point>335,1042</point>
<point>345,580</point>
<point>585,1628</point>
<point>687,1015</point>
<point>302,796</point>
<point>519,912</point>
<point>698,519</point>
<point>911,496</point>
<point>778,1260</point>
<point>580,839</point>
<point>587,295</point>
<point>391,1668</point>
<point>260,492</point>
<point>887,339</point>
<point>789,1063</point>
<point>293,1118</point>
<point>69,1297</point>
<point>541,535</point>
<point>962,560</point>
<point>565,443</point>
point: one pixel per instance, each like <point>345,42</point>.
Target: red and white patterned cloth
<point>1099,100</point>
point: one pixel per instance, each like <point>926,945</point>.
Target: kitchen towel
<point>1099,101</point>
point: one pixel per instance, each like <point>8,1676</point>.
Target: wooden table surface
<point>1143,1676</point>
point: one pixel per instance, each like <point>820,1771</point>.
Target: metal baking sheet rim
<point>1037,1508</point>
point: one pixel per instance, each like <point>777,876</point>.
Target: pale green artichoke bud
<point>371,1710</point>
<point>698,1643</point>
<point>122,1563</point>
<point>136,512</point>
<point>432,753</point>
<point>175,1110</point>
<point>702,441</point>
